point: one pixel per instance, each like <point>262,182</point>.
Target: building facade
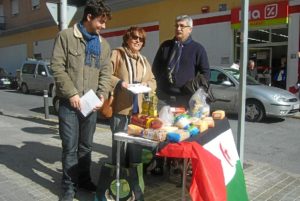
<point>273,30</point>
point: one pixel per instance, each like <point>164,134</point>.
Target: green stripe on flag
<point>236,188</point>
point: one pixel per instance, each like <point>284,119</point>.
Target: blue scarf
<point>93,48</point>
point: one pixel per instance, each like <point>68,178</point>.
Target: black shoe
<point>88,186</point>
<point>67,196</point>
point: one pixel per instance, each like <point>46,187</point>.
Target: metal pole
<point>46,104</point>
<point>242,86</point>
<point>63,15</point>
<point>184,171</point>
<point>118,170</point>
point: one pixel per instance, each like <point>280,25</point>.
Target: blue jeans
<point>133,152</point>
<point>76,133</point>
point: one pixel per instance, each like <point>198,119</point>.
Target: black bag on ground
<point>131,183</point>
<point>199,81</point>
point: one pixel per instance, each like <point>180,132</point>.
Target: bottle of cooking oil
<point>146,104</point>
<point>153,105</point>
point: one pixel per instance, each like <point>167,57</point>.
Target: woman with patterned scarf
<point>129,66</point>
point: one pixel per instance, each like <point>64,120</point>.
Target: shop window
<point>35,4</point>
<point>14,7</point>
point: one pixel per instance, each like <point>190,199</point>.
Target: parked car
<point>36,75</point>
<point>4,79</point>
<point>261,100</point>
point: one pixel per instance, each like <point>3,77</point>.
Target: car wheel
<point>55,103</point>
<point>254,111</point>
<point>24,89</point>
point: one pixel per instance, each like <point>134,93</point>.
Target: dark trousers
<point>76,133</point>
<point>130,153</point>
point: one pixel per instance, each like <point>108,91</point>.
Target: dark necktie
<point>173,65</point>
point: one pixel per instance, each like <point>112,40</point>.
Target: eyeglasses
<point>180,26</point>
<point>135,37</point>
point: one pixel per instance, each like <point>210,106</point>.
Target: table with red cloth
<point>207,180</point>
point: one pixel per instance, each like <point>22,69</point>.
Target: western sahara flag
<point>223,148</point>
<point>217,170</point>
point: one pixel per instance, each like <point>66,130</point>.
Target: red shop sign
<point>263,14</point>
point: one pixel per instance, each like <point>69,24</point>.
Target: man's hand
<point>75,101</point>
<point>99,106</point>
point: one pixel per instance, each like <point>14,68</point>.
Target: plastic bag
<point>198,106</point>
<point>166,115</point>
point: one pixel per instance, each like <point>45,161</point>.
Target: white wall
<point>217,39</point>
<point>11,58</point>
<point>44,47</point>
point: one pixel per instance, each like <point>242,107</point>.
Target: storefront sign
<point>262,15</point>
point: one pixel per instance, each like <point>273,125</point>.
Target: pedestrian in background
<point>251,69</point>
<point>236,65</point>
<point>80,62</point>
<point>129,66</point>
<point>280,75</point>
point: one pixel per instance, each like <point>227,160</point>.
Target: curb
<point>297,115</point>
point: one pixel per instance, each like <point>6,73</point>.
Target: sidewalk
<point>30,167</point>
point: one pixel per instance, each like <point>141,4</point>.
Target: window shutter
<point>14,7</point>
<point>35,4</point>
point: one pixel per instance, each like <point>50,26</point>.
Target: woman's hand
<point>124,85</point>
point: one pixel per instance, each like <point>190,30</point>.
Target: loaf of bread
<point>154,134</point>
<point>210,121</point>
<point>178,136</point>
<point>201,125</point>
<point>218,114</point>
<point>135,130</point>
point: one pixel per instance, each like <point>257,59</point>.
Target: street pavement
<point>30,167</point>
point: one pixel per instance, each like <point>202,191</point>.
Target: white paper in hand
<point>138,88</point>
<point>88,102</point>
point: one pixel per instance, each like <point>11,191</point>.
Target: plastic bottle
<point>146,105</point>
<point>153,105</point>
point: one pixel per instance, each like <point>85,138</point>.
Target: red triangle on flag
<point>208,180</point>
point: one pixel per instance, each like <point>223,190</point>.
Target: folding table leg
<point>118,170</point>
<point>184,171</point>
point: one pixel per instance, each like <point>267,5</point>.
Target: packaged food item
<point>166,116</point>
<point>134,130</point>
<point>205,111</point>
<point>178,110</point>
<point>178,136</point>
<point>169,128</point>
<point>193,130</point>
<point>201,125</point>
<point>154,134</point>
<point>218,114</point>
<point>197,104</point>
<point>182,121</point>
<point>145,121</point>
<point>210,121</point>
